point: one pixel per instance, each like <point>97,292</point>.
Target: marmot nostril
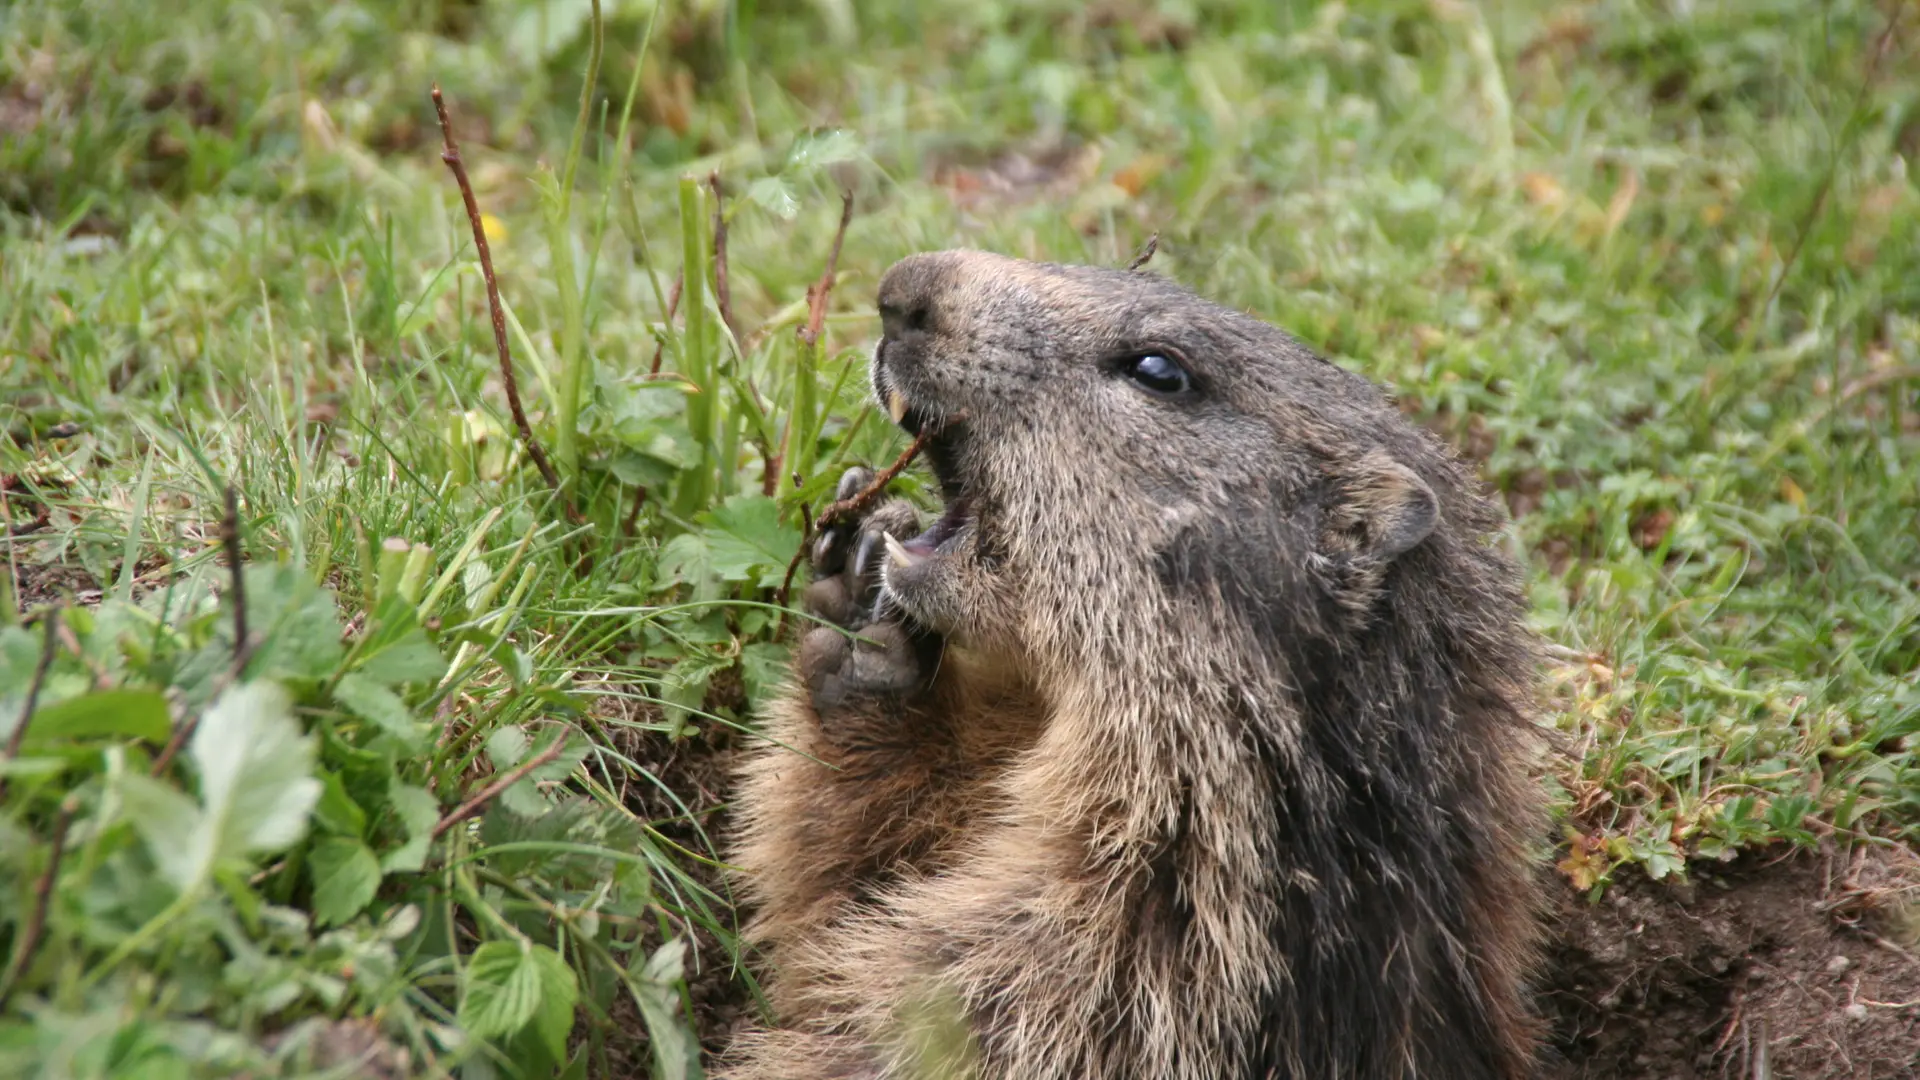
<point>898,320</point>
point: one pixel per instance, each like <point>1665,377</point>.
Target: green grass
<point>1658,272</point>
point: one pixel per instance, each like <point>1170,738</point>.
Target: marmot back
<point>1185,743</point>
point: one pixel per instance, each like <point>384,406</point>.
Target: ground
<point>1652,267</point>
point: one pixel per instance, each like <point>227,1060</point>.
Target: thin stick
<point>19,736</point>
<point>806,535</point>
<point>512,776</point>
<point>451,155</point>
<point>29,941</point>
<point>821,290</point>
<point>1146,253</point>
<point>230,539</point>
<point>853,505</point>
<point>243,642</point>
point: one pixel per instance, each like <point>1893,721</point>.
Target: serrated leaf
<point>507,747</point>
<point>510,984</point>
<point>684,559</point>
<point>826,148</point>
<point>418,812</point>
<point>345,878</point>
<point>256,787</point>
<point>524,797</point>
<point>412,659</point>
<point>134,714</point>
<point>372,702</point>
<point>294,621</point>
<point>396,650</point>
<point>776,196</point>
<point>559,990</point>
<point>676,1055</point>
<point>256,769</point>
<point>336,811</point>
<point>635,469</point>
<point>747,542</point>
<point>170,823</point>
<point>763,669</point>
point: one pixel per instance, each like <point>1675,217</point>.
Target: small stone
<point>1856,1011</point>
<point>1839,965</point>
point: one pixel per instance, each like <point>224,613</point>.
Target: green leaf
<point>134,714</point>
<point>685,559</point>
<point>559,990</point>
<point>170,823</point>
<point>412,659</point>
<point>371,701</point>
<point>507,747</point>
<point>676,1055</point>
<point>336,811</point>
<point>295,622</point>
<point>256,787</point>
<point>345,877</point>
<point>763,668</point>
<point>397,651</point>
<point>747,542</point>
<point>31,767</point>
<point>418,812</point>
<point>510,984</point>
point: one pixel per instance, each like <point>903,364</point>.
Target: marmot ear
<point>1384,509</point>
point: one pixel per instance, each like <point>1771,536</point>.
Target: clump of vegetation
<point>394,757</point>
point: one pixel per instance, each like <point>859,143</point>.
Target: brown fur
<point>1193,751</point>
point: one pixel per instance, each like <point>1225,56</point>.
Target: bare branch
<point>451,155</point>
<point>821,290</point>
<point>859,501</point>
<point>1146,253</point>
<point>508,779</point>
<point>29,941</point>
<point>51,617</point>
<point>230,539</point>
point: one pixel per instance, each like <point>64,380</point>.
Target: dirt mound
<point>1796,967</point>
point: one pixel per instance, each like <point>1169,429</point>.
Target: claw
<point>866,581</point>
<point>896,405</point>
<point>853,482</point>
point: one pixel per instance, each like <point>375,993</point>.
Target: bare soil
<point>1797,966</point>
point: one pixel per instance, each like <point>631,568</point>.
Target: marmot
<point>1187,743</point>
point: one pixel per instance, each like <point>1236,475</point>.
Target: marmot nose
<point>900,320</point>
<point>912,294</point>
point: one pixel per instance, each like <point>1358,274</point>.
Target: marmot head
<point>1133,472</point>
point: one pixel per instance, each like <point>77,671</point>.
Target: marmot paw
<point>883,656</point>
<point>847,556</point>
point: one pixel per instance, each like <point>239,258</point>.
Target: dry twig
<point>819,292</point>
<point>492,791</point>
<point>1146,253</point>
<point>19,736</point>
<point>29,941</point>
<point>230,540</point>
<point>451,155</point>
<point>860,500</point>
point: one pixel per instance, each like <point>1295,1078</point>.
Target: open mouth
<point>942,452</point>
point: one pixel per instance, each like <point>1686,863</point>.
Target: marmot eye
<point>1159,373</point>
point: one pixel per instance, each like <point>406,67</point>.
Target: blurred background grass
<point>1653,266</point>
